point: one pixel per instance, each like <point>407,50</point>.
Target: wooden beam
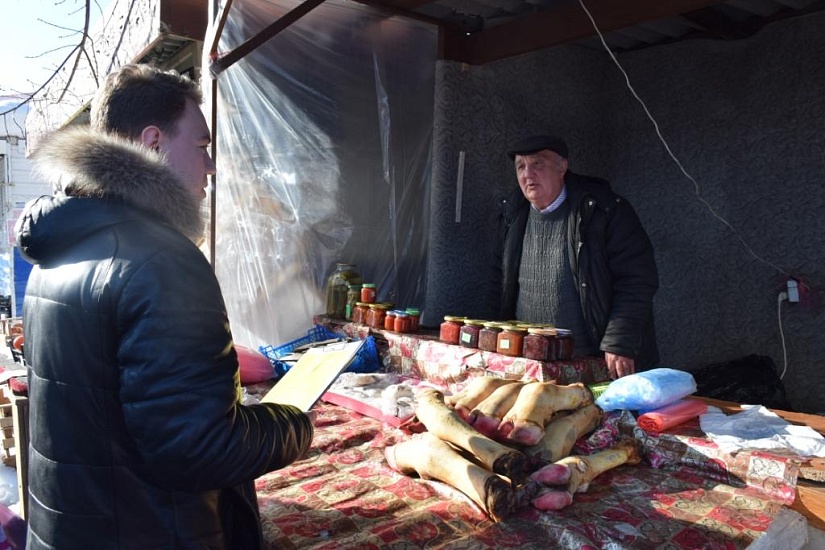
<point>565,23</point>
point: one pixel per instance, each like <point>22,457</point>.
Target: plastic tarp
<point>324,138</point>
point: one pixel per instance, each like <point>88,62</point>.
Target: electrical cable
<point>782,295</point>
<point>667,147</point>
<point>781,298</point>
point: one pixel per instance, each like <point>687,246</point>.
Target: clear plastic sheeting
<point>324,138</point>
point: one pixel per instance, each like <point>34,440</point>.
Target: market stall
<point>686,493</point>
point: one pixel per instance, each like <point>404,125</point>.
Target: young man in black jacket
<point>138,438</point>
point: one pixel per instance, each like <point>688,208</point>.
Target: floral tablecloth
<point>423,357</point>
<point>685,494</point>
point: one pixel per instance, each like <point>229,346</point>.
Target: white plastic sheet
<point>324,140</point>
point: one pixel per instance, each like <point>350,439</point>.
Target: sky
<point>36,36</point>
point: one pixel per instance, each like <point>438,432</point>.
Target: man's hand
<point>619,365</point>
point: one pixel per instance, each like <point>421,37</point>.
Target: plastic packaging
<point>647,390</point>
<point>671,415</point>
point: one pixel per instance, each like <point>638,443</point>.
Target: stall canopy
<point>323,144</point>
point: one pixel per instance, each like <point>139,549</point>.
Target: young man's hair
<point>138,95</point>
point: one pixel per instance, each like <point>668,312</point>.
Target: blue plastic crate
<point>366,360</point>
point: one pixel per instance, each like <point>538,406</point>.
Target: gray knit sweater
<point>547,291</point>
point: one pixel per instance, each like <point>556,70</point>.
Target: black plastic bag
<point>751,380</point>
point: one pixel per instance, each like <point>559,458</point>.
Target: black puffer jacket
<point>612,262</point>
<point>138,436</point>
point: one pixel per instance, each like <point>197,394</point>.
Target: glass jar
<point>389,320</point>
<point>510,340</point>
<point>415,317</point>
<point>468,333</point>
<point>337,288</point>
<point>376,315</point>
<point>402,321</point>
<point>488,336</point>
<point>450,328</point>
<point>359,312</point>
<point>539,344</point>
<point>353,293</point>
<point>368,292</point>
<point>565,344</point>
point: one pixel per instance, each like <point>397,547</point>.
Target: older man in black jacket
<point>575,255</point>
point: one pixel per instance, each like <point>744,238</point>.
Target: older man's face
<point>541,176</point>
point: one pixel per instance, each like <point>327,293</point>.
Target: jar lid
<point>454,318</point>
<point>544,331</point>
<point>413,311</point>
<point>563,332</point>
<point>392,312</point>
<point>399,313</point>
<point>494,324</point>
<point>362,304</point>
<point>513,328</point>
<point>474,322</point>
<point>380,305</point>
<point>354,286</point>
<point>369,285</point>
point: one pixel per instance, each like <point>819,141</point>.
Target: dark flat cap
<point>534,144</point>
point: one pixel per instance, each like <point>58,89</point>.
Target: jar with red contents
<point>488,336</point>
<point>368,292</point>
<point>510,340</point>
<point>389,320</point>
<point>539,344</point>
<point>565,344</point>
<point>359,312</point>
<point>376,315</point>
<point>468,333</point>
<point>402,321</point>
<point>415,316</point>
<point>450,328</point>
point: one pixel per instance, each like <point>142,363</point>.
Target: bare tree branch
<point>77,59</point>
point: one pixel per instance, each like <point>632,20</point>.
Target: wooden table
<point>810,493</point>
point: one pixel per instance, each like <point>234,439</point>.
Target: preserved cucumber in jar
<point>337,288</point>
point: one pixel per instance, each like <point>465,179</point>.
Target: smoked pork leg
<point>431,458</point>
<point>444,423</point>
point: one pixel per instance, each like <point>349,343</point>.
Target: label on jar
<point>505,344</point>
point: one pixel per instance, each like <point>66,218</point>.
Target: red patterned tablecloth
<point>685,495</point>
<point>423,357</point>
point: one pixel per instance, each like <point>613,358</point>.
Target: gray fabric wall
<point>747,121</point>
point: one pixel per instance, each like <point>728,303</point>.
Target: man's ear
<point>563,166</point>
<point>150,137</point>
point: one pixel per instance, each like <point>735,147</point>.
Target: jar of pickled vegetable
<point>510,340</point>
<point>468,333</point>
<point>450,328</point>
<point>353,293</point>
<point>488,336</point>
<point>337,288</point>
<point>415,317</point>
<point>376,315</point>
<point>359,312</point>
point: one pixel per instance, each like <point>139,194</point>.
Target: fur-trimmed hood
<point>79,162</point>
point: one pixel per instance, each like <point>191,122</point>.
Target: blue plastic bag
<point>648,390</point>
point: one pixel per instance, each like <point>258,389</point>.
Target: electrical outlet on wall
<point>792,288</point>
